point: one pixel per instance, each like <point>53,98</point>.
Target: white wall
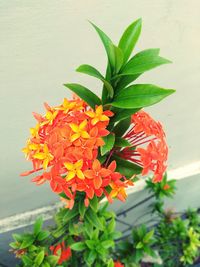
<point>42,42</point>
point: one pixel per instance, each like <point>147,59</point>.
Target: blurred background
<point>42,42</point>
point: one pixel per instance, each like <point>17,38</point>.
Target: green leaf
<point>140,95</point>
<point>122,127</point>
<point>91,257</point>
<point>94,203</point>
<point>125,167</point>
<point>139,245</point>
<point>110,263</point>
<point>82,208</point>
<point>119,57</point>
<point>107,44</point>
<point>45,264</point>
<point>108,78</point>
<point>79,246</point>
<point>90,244</point>
<point>87,69</point>
<point>27,241</point>
<point>14,245</point>
<point>39,258</point>
<point>38,226</point>
<point>107,244</point>
<point>121,114</point>
<point>27,261</point>
<point>144,61</point>
<point>109,143</point>
<point>17,237</point>
<point>70,214</point>
<point>92,218</point>
<point>84,93</point>
<point>148,236</point>
<point>130,37</point>
<point>125,80</point>
<point>43,235</point>
<point>121,142</point>
<point>52,260</point>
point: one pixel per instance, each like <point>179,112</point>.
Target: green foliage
<point>109,143</point>
<point>140,95</point>
<point>88,96</point>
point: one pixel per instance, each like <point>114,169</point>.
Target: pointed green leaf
<point>84,93</point>
<point>109,143</point>
<point>140,95</point>
<point>124,81</point>
<point>122,126</point>
<point>82,208</point>
<point>52,260</point>
<point>94,203</point>
<point>144,61</point>
<point>70,214</point>
<point>121,142</point>
<point>38,225</point>
<point>119,57</point>
<point>39,258</point>
<point>27,241</point>
<point>107,244</point>
<point>79,246</point>
<point>107,44</point>
<point>121,114</point>
<point>126,167</point>
<point>43,235</point>
<point>92,218</point>
<point>27,261</point>
<point>130,37</point>
<point>87,69</point>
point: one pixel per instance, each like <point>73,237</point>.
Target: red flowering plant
<point>90,148</point>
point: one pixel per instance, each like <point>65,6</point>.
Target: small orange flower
<point>153,157</point>
<point>98,115</point>
<point>62,251</point>
<point>45,156</point>
<point>97,173</point>
<point>118,264</point>
<point>74,170</point>
<point>79,131</point>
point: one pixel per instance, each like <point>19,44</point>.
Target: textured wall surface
<point>42,42</point>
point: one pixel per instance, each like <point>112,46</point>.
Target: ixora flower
<point>64,144</point>
<point>62,251</point>
<point>118,264</point>
<point>148,147</point>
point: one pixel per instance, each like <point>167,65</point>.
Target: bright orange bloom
<point>62,251</point>
<point>152,157</point>
<point>118,264</point>
<point>65,144</point>
<point>98,115</point>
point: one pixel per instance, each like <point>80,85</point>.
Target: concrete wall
<point>42,42</point>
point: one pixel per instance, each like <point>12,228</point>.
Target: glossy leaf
<point>119,57</point>
<point>38,226</point>
<point>93,219</point>
<point>121,142</point>
<point>109,143</point>
<point>126,168</point>
<point>27,261</point>
<point>27,241</point>
<point>107,44</point>
<point>130,37</point>
<point>43,235</point>
<point>70,214</point>
<point>84,93</point>
<point>121,114</point>
<point>52,260</point>
<point>87,69</point>
<point>124,81</point>
<point>140,95</point>
<point>39,258</point>
<point>78,246</point>
<point>82,208</point>
<point>144,61</point>
<point>122,126</point>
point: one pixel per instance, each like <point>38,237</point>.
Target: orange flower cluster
<point>118,264</point>
<point>64,144</point>
<point>62,251</point>
<point>148,145</point>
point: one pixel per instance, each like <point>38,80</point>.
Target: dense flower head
<point>62,251</point>
<point>64,146</point>
<point>148,145</point>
